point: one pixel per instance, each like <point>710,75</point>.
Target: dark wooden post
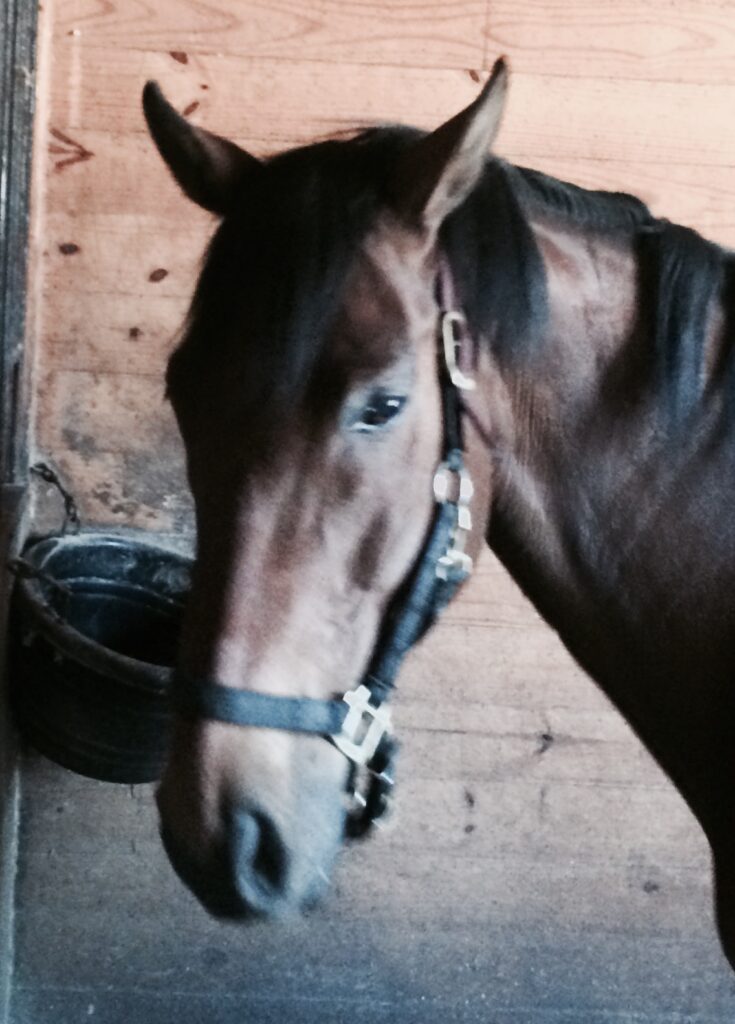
<point>17,81</point>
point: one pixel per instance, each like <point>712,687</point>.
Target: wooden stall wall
<point>541,868</point>
<point>624,95</point>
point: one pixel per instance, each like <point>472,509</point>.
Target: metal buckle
<point>452,343</point>
<point>456,565</point>
<point>370,792</point>
<point>454,484</point>
<point>363,728</point>
<point>464,489</point>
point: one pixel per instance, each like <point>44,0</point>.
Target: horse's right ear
<point>210,169</point>
<point>438,172</point>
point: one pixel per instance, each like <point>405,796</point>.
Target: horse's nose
<point>259,862</point>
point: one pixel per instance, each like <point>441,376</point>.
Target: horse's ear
<point>438,172</point>
<point>208,168</point>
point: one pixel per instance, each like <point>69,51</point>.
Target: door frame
<point>18,26</point>
<point>17,101</point>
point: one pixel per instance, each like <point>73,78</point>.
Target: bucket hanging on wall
<point>95,620</point>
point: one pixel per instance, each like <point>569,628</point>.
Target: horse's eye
<point>379,410</point>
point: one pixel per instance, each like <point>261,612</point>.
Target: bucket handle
<point>22,569</point>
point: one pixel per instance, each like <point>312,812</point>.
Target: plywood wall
<point>625,95</point>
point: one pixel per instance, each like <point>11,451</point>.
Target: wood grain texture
<point>655,41</point>
<point>547,114</point>
<point>417,33</point>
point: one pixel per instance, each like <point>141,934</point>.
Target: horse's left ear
<point>211,170</point>
<point>438,172</point>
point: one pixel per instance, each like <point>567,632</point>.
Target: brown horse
<point>315,403</point>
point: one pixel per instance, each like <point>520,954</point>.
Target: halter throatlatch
<point>359,723</point>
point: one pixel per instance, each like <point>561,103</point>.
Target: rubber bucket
<point>95,620</point>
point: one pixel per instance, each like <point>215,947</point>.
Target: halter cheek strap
<point>358,723</point>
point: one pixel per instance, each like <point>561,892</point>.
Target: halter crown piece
<point>358,723</point>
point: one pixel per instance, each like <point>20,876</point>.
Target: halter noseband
<point>358,723</point>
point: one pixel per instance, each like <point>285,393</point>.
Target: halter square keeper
<point>364,727</point>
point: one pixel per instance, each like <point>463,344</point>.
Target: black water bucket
<point>95,620</point>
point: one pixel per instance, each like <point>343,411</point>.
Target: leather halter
<point>358,723</point>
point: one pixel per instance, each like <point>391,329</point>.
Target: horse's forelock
<point>274,273</point>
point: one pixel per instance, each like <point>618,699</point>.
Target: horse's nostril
<point>259,860</point>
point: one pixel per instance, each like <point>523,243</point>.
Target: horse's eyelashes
<point>379,410</point>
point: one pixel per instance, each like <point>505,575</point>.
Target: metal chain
<point>71,514</point>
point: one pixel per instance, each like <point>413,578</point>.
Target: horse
<point>400,347</point>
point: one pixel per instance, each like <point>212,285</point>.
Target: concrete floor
<point>521,883</point>
<point>105,933</point>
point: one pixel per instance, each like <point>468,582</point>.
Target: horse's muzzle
<point>250,876</point>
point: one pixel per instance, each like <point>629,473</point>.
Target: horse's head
<point>307,393</point>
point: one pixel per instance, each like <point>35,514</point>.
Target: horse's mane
<point>600,210</point>
<point>278,264</point>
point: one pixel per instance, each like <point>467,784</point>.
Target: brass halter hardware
<point>454,327</point>
<point>453,483</point>
<point>364,727</point>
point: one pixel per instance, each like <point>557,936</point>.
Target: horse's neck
<point>564,447</point>
<point>618,529</point>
